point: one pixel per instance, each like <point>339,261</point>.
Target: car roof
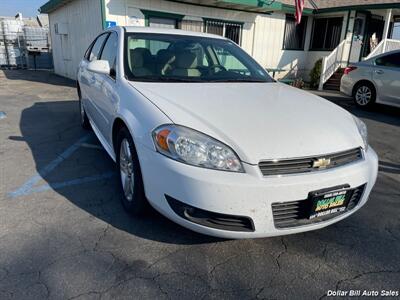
<point>382,54</point>
<point>142,29</point>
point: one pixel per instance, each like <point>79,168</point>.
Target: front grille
<point>306,164</point>
<point>296,213</point>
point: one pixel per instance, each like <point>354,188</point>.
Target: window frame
<point>385,66</point>
<point>102,46</point>
<point>303,42</point>
<point>162,15</point>
<point>89,50</point>
<point>224,23</point>
<point>311,48</point>
<point>113,76</point>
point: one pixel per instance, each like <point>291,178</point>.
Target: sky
<point>28,8</point>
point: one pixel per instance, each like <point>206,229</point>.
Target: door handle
<point>379,72</point>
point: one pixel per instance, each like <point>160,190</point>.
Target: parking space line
<point>27,187</point>
<point>58,185</point>
<point>93,146</point>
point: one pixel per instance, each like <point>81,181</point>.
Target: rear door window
<point>392,61</point>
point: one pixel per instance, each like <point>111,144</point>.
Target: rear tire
<point>133,199</point>
<point>364,95</point>
<point>83,116</point>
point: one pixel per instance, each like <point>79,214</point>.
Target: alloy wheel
<point>363,95</point>
<point>126,170</point>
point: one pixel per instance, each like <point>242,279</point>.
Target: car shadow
<point>84,174</point>
<point>41,76</point>
<point>379,112</point>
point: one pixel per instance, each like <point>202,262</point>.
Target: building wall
<point>80,21</point>
<point>262,35</point>
<point>268,46</point>
<point>127,12</point>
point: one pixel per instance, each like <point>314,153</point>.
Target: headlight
<point>362,129</point>
<point>195,148</point>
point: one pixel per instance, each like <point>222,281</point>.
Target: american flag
<point>299,10</point>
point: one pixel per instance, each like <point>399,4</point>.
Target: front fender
<point>140,116</point>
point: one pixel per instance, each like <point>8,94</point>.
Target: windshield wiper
<point>164,79</point>
<point>237,80</point>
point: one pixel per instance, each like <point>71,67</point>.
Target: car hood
<point>258,120</point>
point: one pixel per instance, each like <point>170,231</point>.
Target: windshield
<point>176,58</point>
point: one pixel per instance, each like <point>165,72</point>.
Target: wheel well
<point>118,124</point>
<point>363,81</point>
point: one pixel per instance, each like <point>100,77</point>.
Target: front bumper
<point>245,194</point>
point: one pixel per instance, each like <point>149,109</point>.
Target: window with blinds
<point>295,35</point>
<point>232,31</point>
<point>326,33</point>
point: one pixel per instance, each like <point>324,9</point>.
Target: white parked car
<point>200,131</point>
<point>375,80</point>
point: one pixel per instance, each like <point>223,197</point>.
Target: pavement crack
<point>101,237</point>
<point>285,248</point>
<point>390,232</point>
<point>364,274</point>
<point>84,294</point>
<point>223,262</point>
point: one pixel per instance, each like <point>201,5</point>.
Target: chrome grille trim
<point>305,164</point>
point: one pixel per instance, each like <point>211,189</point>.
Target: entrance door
<point>374,26</point>
<point>358,37</point>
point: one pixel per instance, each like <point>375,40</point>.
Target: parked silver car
<point>375,80</point>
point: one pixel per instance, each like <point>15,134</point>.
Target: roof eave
<point>52,5</point>
<point>357,7</point>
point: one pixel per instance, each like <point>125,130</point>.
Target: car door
<point>108,98</point>
<point>387,78</point>
<point>91,82</point>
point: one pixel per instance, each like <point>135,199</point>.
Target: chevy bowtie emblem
<point>321,163</point>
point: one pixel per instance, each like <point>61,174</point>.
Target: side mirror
<point>99,66</point>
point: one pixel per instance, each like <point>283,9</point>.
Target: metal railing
<point>22,49</point>
<point>331,63</point>
<point>385,45</point>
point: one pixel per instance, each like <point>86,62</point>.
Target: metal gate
<point>232,31</point>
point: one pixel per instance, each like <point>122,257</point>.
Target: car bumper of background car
<point>346,85</point>
<point>239,205</point>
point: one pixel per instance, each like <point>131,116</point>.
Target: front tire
<point>133,199</point>
<point>364,95</point>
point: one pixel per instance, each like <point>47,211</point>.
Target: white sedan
<point>201,132</point>
<point>375,80</point>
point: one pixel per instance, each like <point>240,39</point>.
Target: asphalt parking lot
<point>64,234</point>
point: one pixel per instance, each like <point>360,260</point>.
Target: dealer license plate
<point>327,203</point>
